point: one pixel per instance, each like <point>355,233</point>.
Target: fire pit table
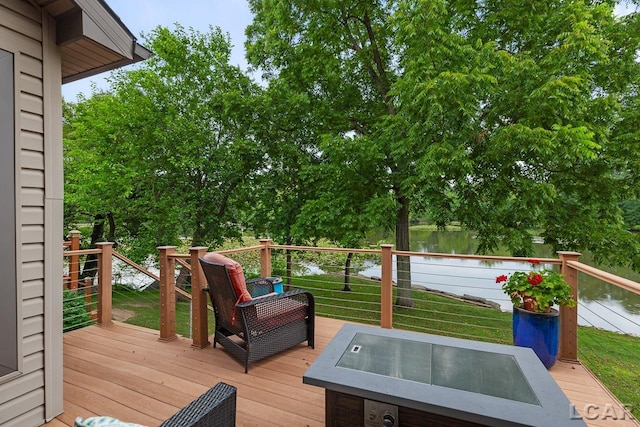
<point>386,377</point>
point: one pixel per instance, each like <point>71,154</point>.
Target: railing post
<point>167,293</point>
<point>199,325</point>
<point>386,293</point>
<point>265,258</point>
<point>74,260</point>
<point>105,262</point>
<point>569,315</point>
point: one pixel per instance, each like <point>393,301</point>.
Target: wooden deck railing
<point>568,262</point>
<point>104,253</point>
<point>72,245</point>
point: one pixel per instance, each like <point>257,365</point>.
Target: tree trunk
<point>197,235</point>
<point>347,273</point>
<point>184,278</point>
<point>111,235</point>
<point>403,263</point>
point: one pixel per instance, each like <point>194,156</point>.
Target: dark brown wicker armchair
<point>251,329</point>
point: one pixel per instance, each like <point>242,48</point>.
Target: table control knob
<point>388,420</point>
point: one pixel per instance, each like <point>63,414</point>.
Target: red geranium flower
<point>538,289</point>
<point>535,279</point>
<point>501,278</point>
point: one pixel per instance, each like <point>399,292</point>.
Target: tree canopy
<point>505,117</point>
<point>183,136</point>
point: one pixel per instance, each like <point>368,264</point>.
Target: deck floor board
<point>124,371</point>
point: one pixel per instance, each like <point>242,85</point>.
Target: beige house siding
<point>53,219</point>
<point>38,140</point>
<point>41,58</point>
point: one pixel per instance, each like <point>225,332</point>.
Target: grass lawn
<point>143,309</point>
<point>612,357</point>
<point>431,313</point>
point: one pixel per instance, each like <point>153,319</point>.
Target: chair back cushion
<point>235,273</point>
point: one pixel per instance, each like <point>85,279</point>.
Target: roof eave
<point>91,27</point>
<point>140,54</point>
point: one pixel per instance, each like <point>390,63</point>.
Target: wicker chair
<point>251,329</point>
<point>216,407</point>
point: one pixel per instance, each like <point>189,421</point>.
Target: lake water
<point>600,304</point>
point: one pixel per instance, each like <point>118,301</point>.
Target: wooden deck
<point>124,371</point>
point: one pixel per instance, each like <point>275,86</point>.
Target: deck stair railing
<point>96,288</point>
<point>73,272</point>
<point>97,305</point>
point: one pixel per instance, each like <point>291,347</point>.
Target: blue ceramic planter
<point>539,331</point>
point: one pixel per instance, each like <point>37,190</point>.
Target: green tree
<point>338,55</point>
<point>345,202</point>
<point>300,194</point>
<point>549,143</point>
<point>99,175</point>
<point>502,116</point>
<point>631,213</point>
<point>280,191</point>
<point>184,140</point>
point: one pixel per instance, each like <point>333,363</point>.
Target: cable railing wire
<point>448,321</point>
<point>454,334</point>
<point>605,320</point>
<point>460,315</point>
<point>428,280</point>
<point>79,299</point>
<point>339,296</point>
